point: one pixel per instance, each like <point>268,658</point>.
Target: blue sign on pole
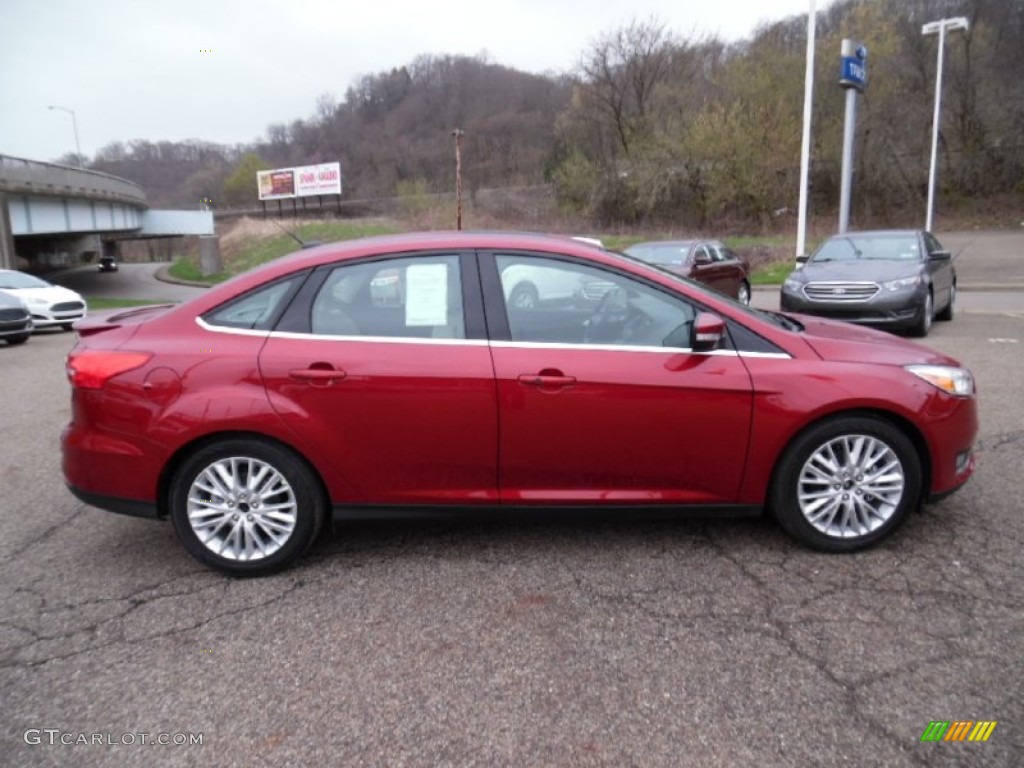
<point>853,71</point>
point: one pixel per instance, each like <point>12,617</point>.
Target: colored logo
<point>958,730</point>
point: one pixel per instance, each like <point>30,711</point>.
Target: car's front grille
<point>67,306</point>
<point>839,291</point>
<point>12,315</point>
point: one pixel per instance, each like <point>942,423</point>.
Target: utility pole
<point>457,133</point>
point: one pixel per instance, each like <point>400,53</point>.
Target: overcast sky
<point>223,70</point>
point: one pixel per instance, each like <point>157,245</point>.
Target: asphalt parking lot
<point>590,643</point>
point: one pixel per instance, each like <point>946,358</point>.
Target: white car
<point>50,305</point>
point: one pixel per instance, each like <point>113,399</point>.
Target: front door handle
<point>318,373</point>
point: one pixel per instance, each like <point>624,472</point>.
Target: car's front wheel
<point>246,507</point>
<point>948,311</point>
<point>846,483</point>
<point>20,339</point>
<point>924,323</point>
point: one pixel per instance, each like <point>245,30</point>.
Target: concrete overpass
<point>55,214</point>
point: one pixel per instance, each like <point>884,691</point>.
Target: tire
<point>523,296</point>
<point>921,328</point>
<point>950,309</point>
<point>743,294</point>
<point>807,503</point>
<point>227,533</point>
<point>67,326</point>
<point>21,339</point>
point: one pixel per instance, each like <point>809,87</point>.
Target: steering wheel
<point>615,319</point>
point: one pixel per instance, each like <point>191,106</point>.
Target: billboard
<point>303,181</point>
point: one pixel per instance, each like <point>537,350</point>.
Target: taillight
<point>92,368</point>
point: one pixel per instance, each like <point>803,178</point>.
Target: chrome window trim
<point>484,342</point>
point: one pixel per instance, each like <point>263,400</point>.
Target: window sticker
<point>426,299</point>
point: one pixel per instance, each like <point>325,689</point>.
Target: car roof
<point>668,243</point>
<point>879,233</point>
<point>385,245</point>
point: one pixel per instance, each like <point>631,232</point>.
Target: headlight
<point>792,284</point>
<point>954,381</point>
<point>903,282</point>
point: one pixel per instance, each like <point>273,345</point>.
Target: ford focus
<point>299,393</point>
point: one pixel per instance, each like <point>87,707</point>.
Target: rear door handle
<point>318,375</point>
<point>546,379</point>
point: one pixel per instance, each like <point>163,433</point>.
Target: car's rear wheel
<point>246,507</point>
<point>743,294</point>
<point>947,312</point>
<point>924,323</point>
<point>846,483</point>
<point>524,296</point>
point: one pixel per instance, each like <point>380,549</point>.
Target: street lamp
<point>938,27</point>
<point>74,125</point>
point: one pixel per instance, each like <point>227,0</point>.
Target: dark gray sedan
<point>894,279</point>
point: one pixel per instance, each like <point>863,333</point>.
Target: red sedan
<point>706,261</point>
<point>252,413</point>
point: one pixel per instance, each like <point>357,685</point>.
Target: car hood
<point>875,270</point>
<point>847,343</point>
<point>9,301</point>
<point>52,293</point>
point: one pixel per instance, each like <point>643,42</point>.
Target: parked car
<point>251,414</point>
<point>108,264</point>
<point>894,279</point>
<point>15,320</point>
<point>50,305</point>
<point>706,261</point>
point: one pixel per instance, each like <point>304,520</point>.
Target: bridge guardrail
<point>32,177</point>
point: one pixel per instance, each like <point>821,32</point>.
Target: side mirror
<point>708,330</point>
<point>701,258</point>
<point>802,259</point>
<point>940,256</point>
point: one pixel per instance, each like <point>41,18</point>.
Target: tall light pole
<point>457,133</point>
<point>74,125</point>
<point>805,144</point>
<point>938,27</point>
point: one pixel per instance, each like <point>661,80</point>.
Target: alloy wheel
<point>850,486</point>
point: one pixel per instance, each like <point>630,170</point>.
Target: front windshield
<point>895,247</point>
<point>661,253</point>
<point>20,280</point>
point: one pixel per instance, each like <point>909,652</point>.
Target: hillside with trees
<point>654,127</point>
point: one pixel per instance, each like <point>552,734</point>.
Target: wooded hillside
<point>655,127</point>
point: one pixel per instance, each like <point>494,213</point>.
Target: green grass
<point>262,250</point>
<point>772,274</point>
<point>102,303</point>
<point>186,269</point>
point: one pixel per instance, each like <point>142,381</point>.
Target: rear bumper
<point>109,471</point>
<point>122,506</point>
